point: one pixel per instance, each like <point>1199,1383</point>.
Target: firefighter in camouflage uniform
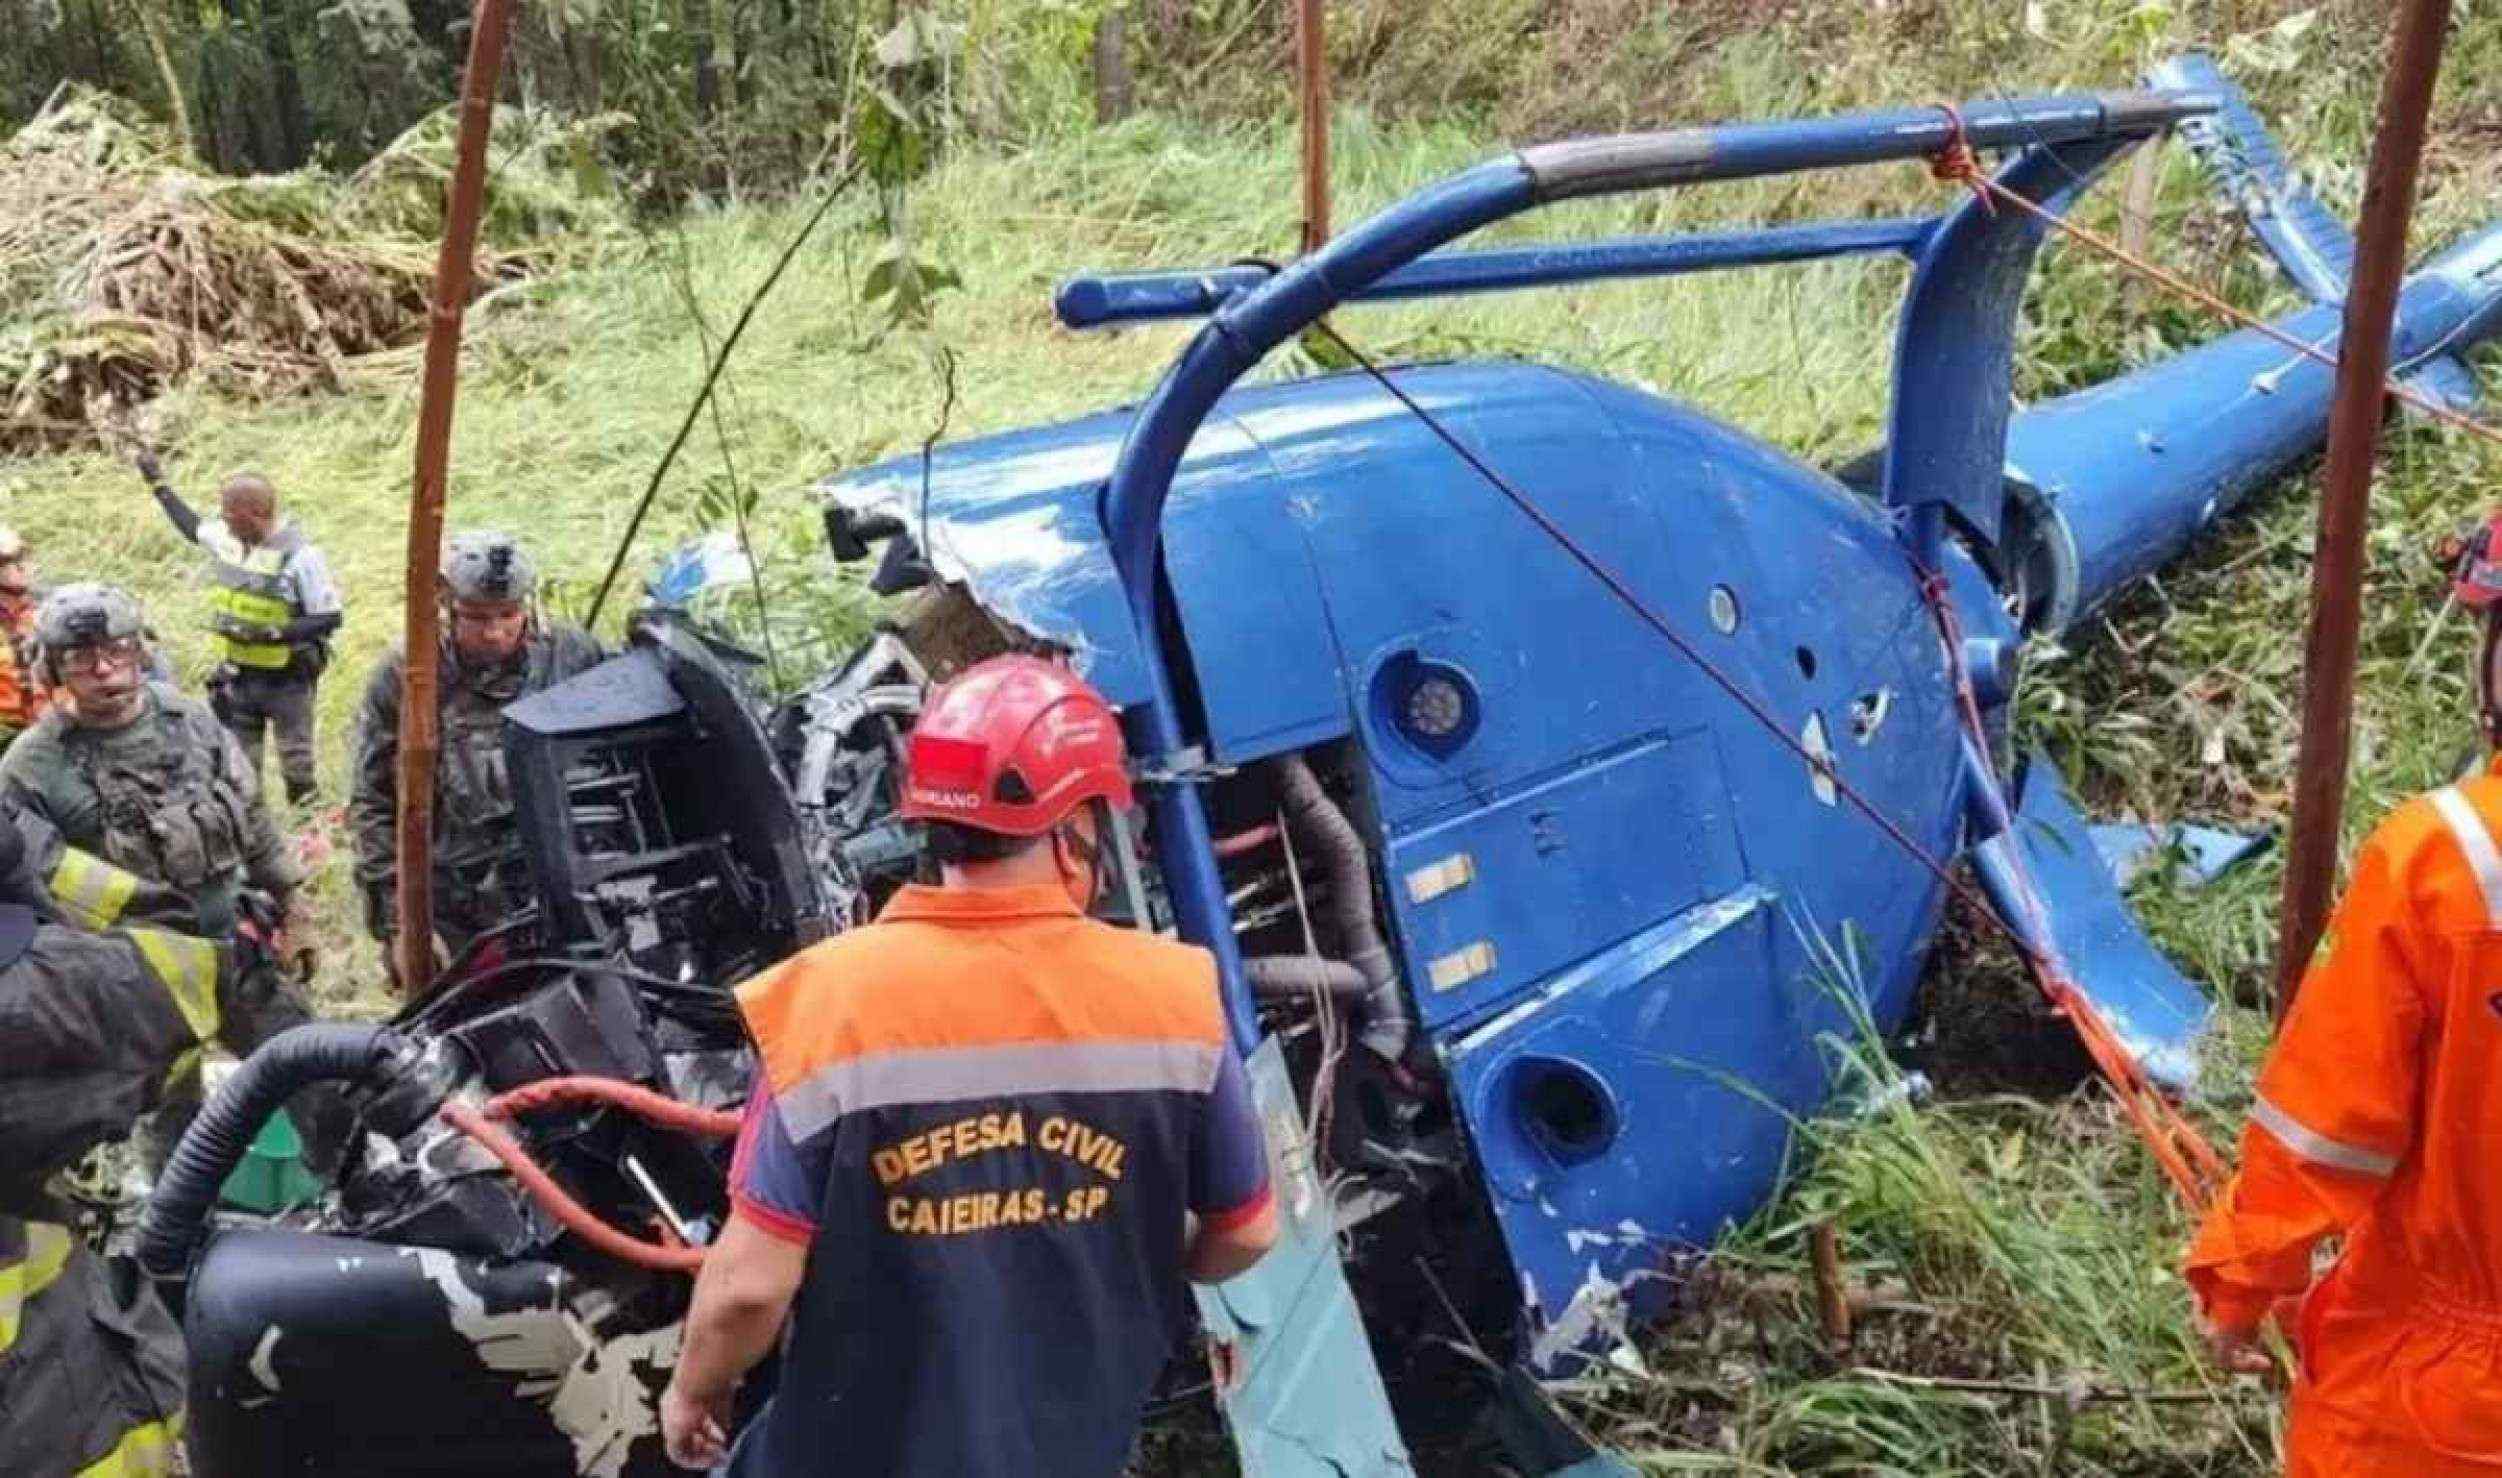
<point>97,1025</point>
<point>495,649</point>
<point>140,806</point>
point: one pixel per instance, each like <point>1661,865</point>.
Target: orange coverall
<point>2379,1118</point>
<point>21,698</point>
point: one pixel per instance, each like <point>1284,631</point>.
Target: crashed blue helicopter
<point>1603,882</point>
<point>1518,741</point>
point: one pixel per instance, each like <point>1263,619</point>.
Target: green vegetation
<point>2019,1242</point>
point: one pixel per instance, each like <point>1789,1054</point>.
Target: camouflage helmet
<point>83,615</point>
<point>485,565</point>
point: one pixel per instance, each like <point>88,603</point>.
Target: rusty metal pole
<point>1312,71</point>
<point>454,277</point>
<point>2353,442</point>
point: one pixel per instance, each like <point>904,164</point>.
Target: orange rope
<point>2194,1167</point>
<point>2192,1164</point>
<point>1956,163</point>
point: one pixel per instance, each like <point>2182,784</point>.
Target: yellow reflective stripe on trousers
<point>144,1452</point>
<point>92,891</point>
<point>47,1252</point>
<point>188,967</point>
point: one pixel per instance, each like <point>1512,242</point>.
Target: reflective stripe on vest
<point>251,596</point>
<point>2316,1147</point>
<point>2475,844</point>
<point>188,967</point>
<point>90,890</point>
<point>36,1269</point>
<point>145,1451</point>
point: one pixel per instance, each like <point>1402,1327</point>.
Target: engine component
<point>842,740</point>
<point>1315,821</point>
<point>319,1052</point>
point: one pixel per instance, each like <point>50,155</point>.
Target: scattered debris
<point>126,268</point>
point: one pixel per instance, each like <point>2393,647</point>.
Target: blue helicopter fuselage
<point>1631,921</point>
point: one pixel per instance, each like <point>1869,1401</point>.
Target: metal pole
<point>1312,69</point>
<point>2353,441</point>
<point>454,276</point>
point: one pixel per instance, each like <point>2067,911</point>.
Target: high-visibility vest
<point>251,596</point>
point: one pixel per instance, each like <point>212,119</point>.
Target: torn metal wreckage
<point>1522,744</point>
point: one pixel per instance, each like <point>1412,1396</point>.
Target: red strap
<point>560,1204</point>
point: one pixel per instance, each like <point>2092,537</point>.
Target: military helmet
<point>485,565</point>
<point>83,615</point>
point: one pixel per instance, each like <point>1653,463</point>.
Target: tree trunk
<point>1113,89</point>
<point>295,125</point>
<point>105,77</point>
<point>699,15</point>
<point>593,91</point>
<point>701,19</point>
<point>213,151</point>
<point>153,30</point>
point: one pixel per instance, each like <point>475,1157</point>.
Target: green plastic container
<point>272,1177</point>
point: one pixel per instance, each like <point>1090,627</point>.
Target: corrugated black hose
<point>176,1220</point>
<point>1315,821</point>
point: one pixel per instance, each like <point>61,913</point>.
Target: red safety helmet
<point>1013,745</point>
<point>2476,569</point>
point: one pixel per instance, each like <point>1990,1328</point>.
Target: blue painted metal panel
<point>1954,354</point>
<point>2153,1010</point>
<point>2133,470</point>
<point>1015,515</point>
<point>1095,299</point>
<point>1635,1104</point>
<point>2313,247</point>
<point>1603,849</point>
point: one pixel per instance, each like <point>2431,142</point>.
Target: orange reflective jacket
<point>21,697</point>
<point>2379,1119</point>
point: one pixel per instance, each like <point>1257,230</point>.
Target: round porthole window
<point>1432,705</point>
<point>1724,610</point>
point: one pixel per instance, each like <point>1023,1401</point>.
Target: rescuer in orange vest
<point>2379,1120</point>
<point>21,696</point>
<point>988,1140</point>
